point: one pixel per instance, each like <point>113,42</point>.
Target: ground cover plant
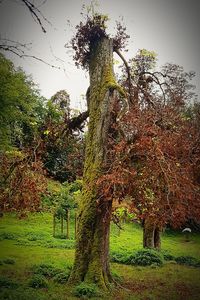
<point>32,270</point>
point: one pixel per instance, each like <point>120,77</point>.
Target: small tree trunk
<point>75,224</point>
<point>157,237</point>
<point>151,235</point>
<point>61,222</point>
<point>54,225</point>
<point>92,250</point>
<point>148,234</point>
<point>67,223</point>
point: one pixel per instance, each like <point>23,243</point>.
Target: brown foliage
<point>22,182</point>
<point>155,159</point>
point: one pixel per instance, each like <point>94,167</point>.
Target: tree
<point>34,138</point>
<point>61,140</point>
<point>20,106</point>
<point>151,161</point>
<point>21,110</point>
<point>94,50</point>
<point>22,182</point>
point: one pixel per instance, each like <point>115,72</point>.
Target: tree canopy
<point>20,106</point>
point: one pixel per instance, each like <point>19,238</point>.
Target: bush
<point>121,257</point>
<point>168,256</point>
<point>85,290</point>
<point>23,242</point>
<point>8,236</point>
<point>32,236</point>
<point>38,281</point>
<point>9,261</point>
<point>46,270</point>
<point>8,283</point>
<point>75,186</point>
<point>187,260</point>
<point>68,244</point>
<point>62,278</point>
<point>147,257</point>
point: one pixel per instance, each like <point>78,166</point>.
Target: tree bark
<point>92,250</point>
<point>148,234</point>
<point>151,235</point>
<point>61,224</point>
<point>157,238</point>
<point>67,223</point>
<point>54,225</point>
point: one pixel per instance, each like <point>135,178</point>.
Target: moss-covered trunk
<point>92,249</point>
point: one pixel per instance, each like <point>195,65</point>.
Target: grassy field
<point>27,250</point>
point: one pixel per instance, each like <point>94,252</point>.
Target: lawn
<point>28,251</point>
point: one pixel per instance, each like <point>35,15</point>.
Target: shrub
<point>62,278</point>
<point>46,270</point>
<point>60,236</point>
<point>168,256</point>
<point>68,244</point>
<point>147,257</point>
<point>121,257</point>
<point>37,282</point>
<point>85,290</point>
<point>8,283</point>
<point>23,242</point>
<point>8,236</point>
<point>31,236</point>
<point>75,186</point>
<point>9,261</point>
<point>187,260</point>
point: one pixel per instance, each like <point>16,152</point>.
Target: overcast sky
<point>168,27</point>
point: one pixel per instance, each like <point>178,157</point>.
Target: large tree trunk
<point>92,250</point>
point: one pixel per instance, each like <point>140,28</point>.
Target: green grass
<point>28,242</point>
<point>130,239</point>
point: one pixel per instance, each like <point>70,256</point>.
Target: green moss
<point>102,84</point>
<point>93,165</point>
<point>109,82</point>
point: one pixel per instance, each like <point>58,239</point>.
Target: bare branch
<point>36,14</point>
<point>157,81</point>
<point>128,73</point>
<point>19,50</point>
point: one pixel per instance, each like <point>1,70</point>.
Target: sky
<point>168,27</point>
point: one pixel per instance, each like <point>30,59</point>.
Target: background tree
<point>61,146</point>
<point>20,106</point>
<point>151,162</point>
<point>21,112</point>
